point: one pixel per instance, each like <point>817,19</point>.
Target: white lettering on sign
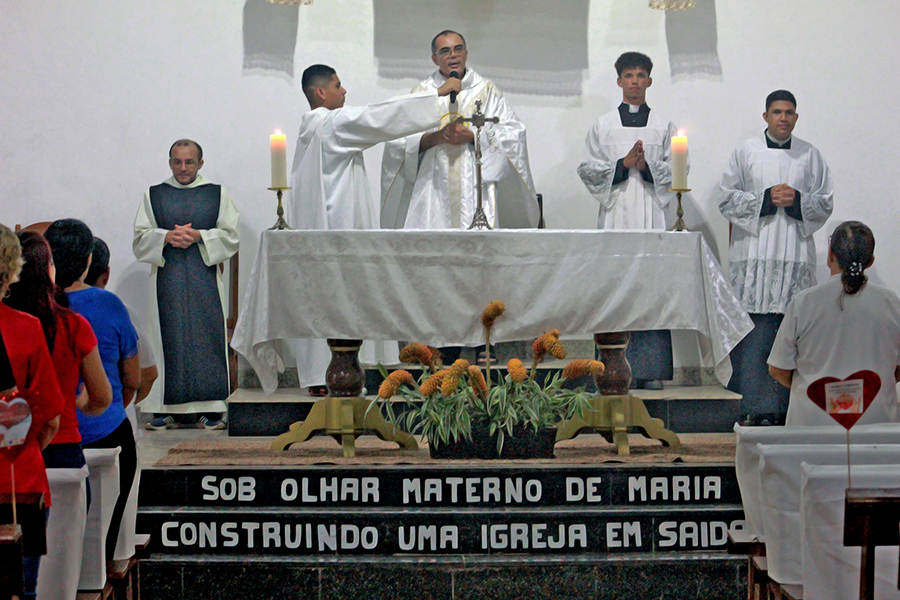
<point>269,534</point>
<point>471,490</point>
<point>228,488</point>
<point>313,490</point>
<point>693,534</point>
<point>583,488</point>
<point>428,537</point>
<point>676,488</point>
<point>623,535</point>
<point>531,536</point>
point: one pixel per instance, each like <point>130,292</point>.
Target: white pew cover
<point>61,566</point>
<point>104,467</point>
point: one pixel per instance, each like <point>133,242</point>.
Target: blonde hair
<point>10,258</point>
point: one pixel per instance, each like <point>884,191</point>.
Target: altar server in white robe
<point>185,227</point>
<point>777,192</point>
<point>330,186</point>
<point>628,170</point>
<point>844,327</point>
<point>428,180</point>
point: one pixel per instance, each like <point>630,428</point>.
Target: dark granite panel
<point>250,581</point>
<point>711,415</point>
<point>676,580</point>
<point>547,582</point>
<point>161,581</point>
<point>264,418</point>
<point>387,582</point>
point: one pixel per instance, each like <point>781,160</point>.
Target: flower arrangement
<point>445,403</point>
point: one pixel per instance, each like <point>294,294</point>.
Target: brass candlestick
<point>280,223</point>
<point>679,212</point>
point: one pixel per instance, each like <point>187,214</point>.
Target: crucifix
<point>479,220</point>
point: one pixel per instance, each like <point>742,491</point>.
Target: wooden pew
<point>741,544</point>
<point>871,518</point>
<point>11,561</point>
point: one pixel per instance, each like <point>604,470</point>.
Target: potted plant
<point>464,416</point>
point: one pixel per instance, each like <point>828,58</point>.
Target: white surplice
<point>436,189</point>
<point>634,203</point>
<point>827,334</point>
<point>331,189</point>
<point>774,257</point>
<point>217,245</point>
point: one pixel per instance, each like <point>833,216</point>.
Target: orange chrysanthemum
<point>581,367</point>
<point>416,353</point>
<point>517,370</point>
<point>391,384</point>
<point>432,384</point>
<point>490,314</point>
<point>478,382</point>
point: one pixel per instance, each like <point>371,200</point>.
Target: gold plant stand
<point>344,414</point>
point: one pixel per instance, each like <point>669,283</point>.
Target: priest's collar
<point>201,180</point>
<point>773,143</point>
<point>634,115</point>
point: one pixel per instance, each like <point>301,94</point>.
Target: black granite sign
<point>437,531</point>
<point>413,487</point>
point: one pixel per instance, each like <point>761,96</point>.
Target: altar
<point>431,286</point>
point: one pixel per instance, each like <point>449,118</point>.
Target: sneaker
<point>211,424</point>
<point>160,423</point>
<point>653,384</point>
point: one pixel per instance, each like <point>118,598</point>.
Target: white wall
<point>93,93</point>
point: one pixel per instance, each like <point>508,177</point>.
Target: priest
<point>330,186</point>
<point>185,227</point>
<point>428,180</point>
<point>776,193</point>
<point>628,170</point>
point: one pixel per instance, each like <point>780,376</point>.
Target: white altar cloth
<point>831,570</point>
<point>431,286</point>
<point>779,471</point>
<point>746,456</point>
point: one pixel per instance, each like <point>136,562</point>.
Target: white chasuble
<point>773,257</point>
<point>331,190</point>
<point>634,203</point>
<point>436,189</point>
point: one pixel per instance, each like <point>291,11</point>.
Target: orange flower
<point>556,349</point>
<point>416,353</point>
<point>451,381</point>
<point>581,367</point>
<point>391,384</point>
<point>537,349</point>
<point>478,382</point>
<point>432,384</point>
<point>517,370</point>
<point>490,314</point>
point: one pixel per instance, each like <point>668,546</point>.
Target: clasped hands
<point>182,236</point>
<point>783,195</point>
<point>635,157</point>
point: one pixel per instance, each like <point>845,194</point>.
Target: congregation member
<point>840,328</point>
<point>185,227</point>
<point>73,349</point>
<point>628,170</point>
<point>428,179</point>
<point>328,177</point>
<point>26,375</point>
<point>72,242</point>
<point>776,193</point>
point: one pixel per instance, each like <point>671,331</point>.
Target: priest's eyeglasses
<point>445,51</point>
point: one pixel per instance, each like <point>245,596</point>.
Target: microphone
<point>455,75</point>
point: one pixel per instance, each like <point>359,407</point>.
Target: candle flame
<point>681,133</point>
<point>278,132</point>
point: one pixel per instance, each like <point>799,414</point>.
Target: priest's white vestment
<point>217,245</point>
<point>436,189</point>
<point>635,203</point>
<point>773,257</point>
<point>331,189</point>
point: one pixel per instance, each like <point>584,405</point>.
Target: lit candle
<point>278,142</point>
<point>679,162</point>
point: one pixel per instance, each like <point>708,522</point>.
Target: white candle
<point>679,162</point>
<point>278,142</point>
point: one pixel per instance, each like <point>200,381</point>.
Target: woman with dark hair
<point>73,348</point>
<point>846,330</point>
<point>32,394</point>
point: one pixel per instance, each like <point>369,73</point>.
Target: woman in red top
<point>73,348</point>
<point>35,381</point>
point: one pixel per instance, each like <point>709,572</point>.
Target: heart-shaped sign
<point>15,421</point>
<point>845,399</point>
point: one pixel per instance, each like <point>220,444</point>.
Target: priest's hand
<point>457,134</point>
<point>451,85</point>
<point>783,195</point>
<point>635,156</point>
<point>182,236</point>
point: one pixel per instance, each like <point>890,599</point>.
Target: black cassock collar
<point>634,119</point>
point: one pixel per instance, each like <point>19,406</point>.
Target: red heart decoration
<point>871,386</point>
<point>15,421</point>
